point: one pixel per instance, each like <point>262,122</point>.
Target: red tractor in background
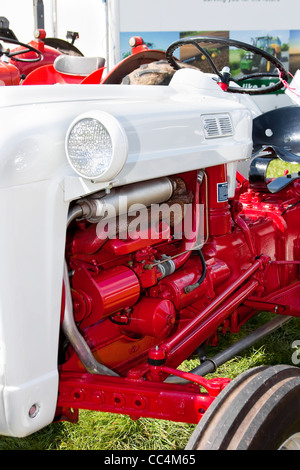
<point>20,59</point>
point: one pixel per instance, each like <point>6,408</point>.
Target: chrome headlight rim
<point>119,145</point>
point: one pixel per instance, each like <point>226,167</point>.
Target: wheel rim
<point>292,443</point>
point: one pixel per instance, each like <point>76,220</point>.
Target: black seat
<point>77,65</point>
<point>279,131</point>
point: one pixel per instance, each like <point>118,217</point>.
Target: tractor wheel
<point>259,410</point>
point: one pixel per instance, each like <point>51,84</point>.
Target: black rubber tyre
<point>259,410</point>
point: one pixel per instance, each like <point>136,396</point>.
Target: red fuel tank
<point>9,74</point>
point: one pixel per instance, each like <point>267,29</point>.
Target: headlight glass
<point>96,146</point>
<point>90,148</point>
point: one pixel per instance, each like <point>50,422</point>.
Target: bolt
<point>33,411</point>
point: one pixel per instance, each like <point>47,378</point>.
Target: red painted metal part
<point>219,213</point>
<point>185,342</point>
<point>137,45</point>
<point>146,328</point>
<point>49,54</point>
<point>283,302</point>
<point>47,75</point>
<point>182,403</point>
<point>42,72</point>
<point>131,63</point>
<point>9,74</point>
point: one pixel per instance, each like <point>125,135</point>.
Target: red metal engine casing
<point>140,322</point>
<point>9,74</point>
<point>116,287</point>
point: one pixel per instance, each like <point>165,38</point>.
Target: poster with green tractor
<point>251,63</point>
<point>283,44</point>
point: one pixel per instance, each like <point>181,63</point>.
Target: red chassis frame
<point>267,222</point>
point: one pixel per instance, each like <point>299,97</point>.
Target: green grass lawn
<point>104,431</point>
<point>277,168</point>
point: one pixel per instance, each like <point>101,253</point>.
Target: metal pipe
<point>167,265</point>
<point>69,326</point>
<point>286,262</point>
<point>74,213</point>
<point>186,344</point>
<point>211,364</point>
<point>54,18</point>
<point>184,254</point>
<point>151,192</point>
<point>119,200</point>
<point>76,339</point>
<point>193,326</point>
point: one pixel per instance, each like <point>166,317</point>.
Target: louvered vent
<point>217,125</point>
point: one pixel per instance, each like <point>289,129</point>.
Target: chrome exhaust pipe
<point>121,199</point>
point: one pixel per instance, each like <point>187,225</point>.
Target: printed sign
<point>222,192</point>
<point>269,25</point>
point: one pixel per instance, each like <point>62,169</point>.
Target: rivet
<point>33,410</point>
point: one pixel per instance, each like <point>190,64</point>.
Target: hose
<point>76,339</point>
<point>202,277</point>
<point>69,326</point>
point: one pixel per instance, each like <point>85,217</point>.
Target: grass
<point>104,431</point>
<point>277,168</point>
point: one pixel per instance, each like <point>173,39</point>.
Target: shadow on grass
<point>104,431</point>
<point>48,438</point>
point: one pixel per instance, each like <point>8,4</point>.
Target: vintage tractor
<point>130,239</point>
<point>18,59</point>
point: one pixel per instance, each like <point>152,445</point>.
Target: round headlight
<point>96,146</point>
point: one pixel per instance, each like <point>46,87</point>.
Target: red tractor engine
<point>158,268</point>
<point>145,300</point>
<point>155,228</point>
